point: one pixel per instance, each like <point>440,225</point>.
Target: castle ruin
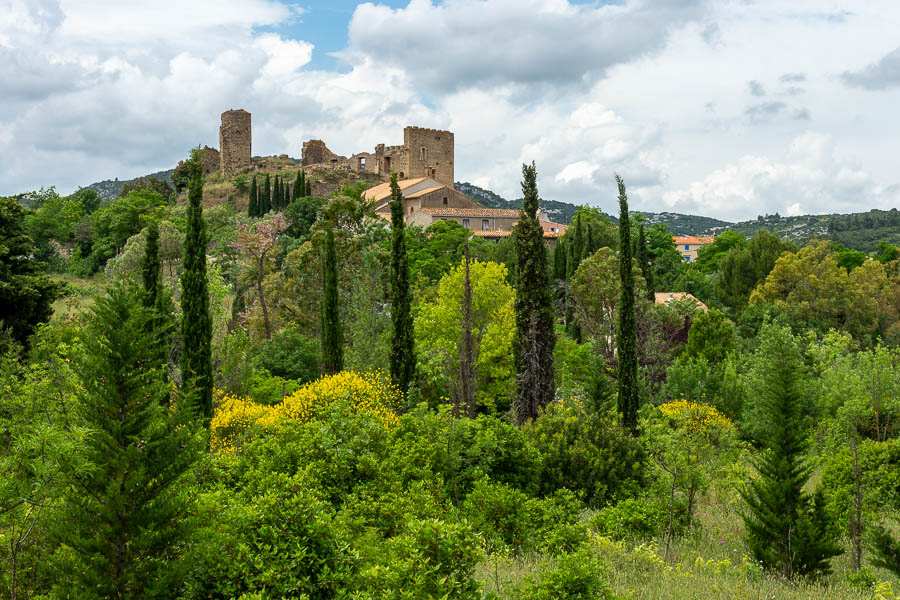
<point>424,153</point>
<point>234,141</point>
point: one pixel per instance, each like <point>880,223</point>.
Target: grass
<point>710,563</point>
<point>80,298</point>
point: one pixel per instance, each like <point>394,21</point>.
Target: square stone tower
<point>234,141</point>
<point>430,154</point>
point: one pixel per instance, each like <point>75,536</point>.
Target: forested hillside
<point>232,387</point>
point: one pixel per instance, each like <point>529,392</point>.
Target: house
<point>669,297</point>
<point>689,245</point>
<point>426,200</point>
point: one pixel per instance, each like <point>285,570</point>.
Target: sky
<point>724,108</point>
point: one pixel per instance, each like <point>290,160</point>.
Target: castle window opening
<point>362,163</point>
<point>411,209</point>
<point>424,153</point>
<point>445,200</point>
<point>387,165</point>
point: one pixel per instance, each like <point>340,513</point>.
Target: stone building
<point>426,201</point>
<point>689,245</point>
<point>234,141</point>
<point>424,153</point>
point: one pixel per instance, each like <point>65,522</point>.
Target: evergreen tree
<point>308,188</point>
<point>252,203</point>
<point>578,244</point>
<point>265,204</point>
<point>588,248</point>
<point>299,186</point>
<point>276,194</point>
<point>196,322</point>
<point>559,261</point>
<point>785,528</point>
<point>887,550</point>
<point>644,262</point>
<point>332,332</point>
<point>403,359</point>
<point>150,266</point>
<point>122,521</point>
<point>534,337</point>
<point>626,333</point>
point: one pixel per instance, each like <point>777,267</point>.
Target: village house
<point>689,245</point>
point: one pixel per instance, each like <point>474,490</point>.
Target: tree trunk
<point>262,301</point>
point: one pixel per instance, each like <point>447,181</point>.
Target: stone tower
<point>430,153</point>
<point>234,141</point>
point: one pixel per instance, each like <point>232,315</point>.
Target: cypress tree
<point>644,262</point>
<point>403,360</point>
<point>626,333</point>
<point>785,527</point>
<point>332,332</point>
<point>588,248</point>
<point>534,336</point>
<point>577,244</point>
<point>252,203</point>
<point>150,266</point>
<point>196,323</point>
<point>308,188</point>
<point>119,518</point>
<point>276,194</point>
<point>298,185</point>
<point>265,204</point>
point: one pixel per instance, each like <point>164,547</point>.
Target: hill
<point>111,188</point>
<point>564,212</point>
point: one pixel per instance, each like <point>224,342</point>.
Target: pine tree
<point>626,333</point>
<point>196,323</point>
<point>534,337</point>
<point>265,204</point>
<point>332,332</point>
<point>120,519</point>
<point>252,203</point>
<point>403,360</point>
<point>644,262</point>
<point>786,529</point>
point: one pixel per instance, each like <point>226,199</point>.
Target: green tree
<point>252,202</point>
<point>265,201</point>
<point>150,266</point>
<point>643,259</point>
<point>299,186</point>
<point>711,336</point>
<point>535,338</point>
<point>26,293</point>
<point>440,333</point>
<point>403,358</point>
<point>744,267</point>
<point>786,529</point>
<point>89,199</point>
<point>302,214</point>
<point>196,322</point>
<point>332,332</point>
<point>122,218</point>
<point>626,332</point>
<point>123,519</point>
<point>709,257</point>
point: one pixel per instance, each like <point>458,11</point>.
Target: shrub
<point>290,355</point>
<point>576,576</point>
<point>638,518</point>
<point>585,451</point>
<point>368,393</point>
<point>431,559</point>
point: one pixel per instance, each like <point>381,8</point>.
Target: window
<point>485,224</point>
<point>411,209</point>
<point>445,200</point>
<point>423,154</point>
<point>687,246</point>
<point>466,223</point>
<point>687,258</point>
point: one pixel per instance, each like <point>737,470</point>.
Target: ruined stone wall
<point>315,152</point>
<point>209,160</point>
<point>234,141</point>
<point>430,154</point>
<point>393,159</point>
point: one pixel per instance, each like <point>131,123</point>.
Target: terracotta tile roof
<point>383,190</point>
<point>427,190</point>
<point>666,297</point>
<point>470,212</point>
<point>698,240</point>
<point>486,233</point>
<point>550,225</point>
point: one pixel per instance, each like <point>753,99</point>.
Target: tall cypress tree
<point>252,203</point>
<point>299,185</point>
<point>403,359</point>
<point>786,529</point>
<point>534,337</point>
<point>626,333</point>
<point>150,266</point>
<point>644,262</point>
<point>332,332</point>
<point>196,323</point>
<point>588,248</point>
<point>276,194</point>
<point>265,204</point>
<point>308,188</point>
<point>120,517</point>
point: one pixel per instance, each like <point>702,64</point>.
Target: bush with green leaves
<point>575,576</point>
<point>631,518</point>
<point>291,355</point>
<point>585,451</point>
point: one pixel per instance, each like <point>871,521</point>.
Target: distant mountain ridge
<point>110,189</point>
<point>564,212</point>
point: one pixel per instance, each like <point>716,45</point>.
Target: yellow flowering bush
<point>370,393</point>
<point>698,419</point>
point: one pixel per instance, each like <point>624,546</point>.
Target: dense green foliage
<point>332,332</point>
<point>402,341</point>
<point>626,332</point>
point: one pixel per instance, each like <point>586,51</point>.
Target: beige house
<point>426,201</point>
<point>689,245</point>
<point>669,297</point>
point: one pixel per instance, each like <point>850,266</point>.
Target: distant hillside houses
<point>426,201</point>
